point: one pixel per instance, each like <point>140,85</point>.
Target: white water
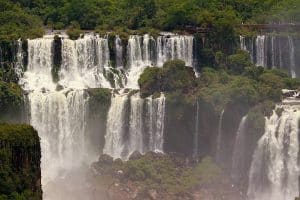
<point>274,170</point>
<point>272,51</point>
<point>118,144</point>
<point>260,51</point>
<point>83,62</point>
<point>38,75</point>
<point>238,161</point>
<point>156,108</point>
<point>115,130</point>
<point>292,57</point>
<point>175,47</point>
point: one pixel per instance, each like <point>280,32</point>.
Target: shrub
<point>239,61</point>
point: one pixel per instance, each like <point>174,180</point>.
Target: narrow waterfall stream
<point>238,157</point>
<point>219,138</point>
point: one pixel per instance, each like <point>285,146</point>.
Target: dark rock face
<point>20,154</point>
<point>135,155</point>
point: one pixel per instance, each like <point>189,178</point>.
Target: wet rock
<point>135,155</point>
<point>105,160</point>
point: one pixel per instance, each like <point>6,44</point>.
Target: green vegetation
<point>173,77</point>
<point>237,81</point>
<point>24,18</point>
<point>19,163</point>
<point>161,172</point>
<point>16,22</point>
<point>11,99</point>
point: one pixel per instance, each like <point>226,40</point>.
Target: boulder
<point>135,155</point>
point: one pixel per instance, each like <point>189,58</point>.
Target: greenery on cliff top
<point>19,163</point>
<point>25,18</point>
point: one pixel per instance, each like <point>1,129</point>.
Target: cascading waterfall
<point>60,120</point>
<point>136,124</point>
<point>40,61</point>
<point>59,107</point>
<point>219,137</point>
<point>272,51</point>
<point>155,119</point>
<point>274,170</point>
<point>84,61</point>
<point>115,127</point>
<point>238,158</point>
<point>143,135</point>
<point>175,47</point>
<point>138,58</point>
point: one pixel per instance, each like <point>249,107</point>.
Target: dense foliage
<point>174,76</point>
<point>15,22</point>
<point>19,163</point>
<point>25,17</point>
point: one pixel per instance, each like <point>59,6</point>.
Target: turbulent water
<point>273,51</point>
<point>274,170</point>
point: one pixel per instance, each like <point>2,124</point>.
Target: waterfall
<point>19,59</point>
<point>156,109</point>
<point>274,170</point>
<point>115,127</point>
<point>196,135</point>
<point>175,47</point>
<point>219,138</point>
<point>143,134</point>
<point>292,57</point>
<point>60,121</point>
<point>58,116</point>
<point>238,158</point>
<point>84,61</point>
<point>136,124</point>
<point>272,51</point>
<point>59,109</point>
<point>40,61</point>
<point>119,52</point>
<point>260,50</point>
